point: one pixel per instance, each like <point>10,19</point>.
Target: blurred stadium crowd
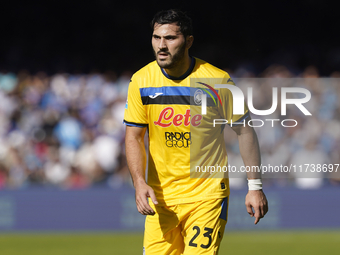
<point>62,130</point>
<point>66,130</point>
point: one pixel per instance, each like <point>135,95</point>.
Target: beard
<point>172,60</point>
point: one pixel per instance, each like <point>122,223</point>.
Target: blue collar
<point>185,75</point>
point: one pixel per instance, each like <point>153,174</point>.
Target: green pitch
<point>234,243</point>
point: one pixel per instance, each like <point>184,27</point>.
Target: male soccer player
<point>186,215</point>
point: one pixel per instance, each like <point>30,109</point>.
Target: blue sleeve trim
<point>239,121</point>
<point>133,124</point>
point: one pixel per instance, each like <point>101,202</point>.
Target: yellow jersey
<point>182,140</point>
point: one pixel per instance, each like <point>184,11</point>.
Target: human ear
<point>189,41</point>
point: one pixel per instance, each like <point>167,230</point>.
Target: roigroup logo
<point>178,139</point>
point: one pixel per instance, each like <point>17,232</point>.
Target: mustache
<point>163,51</point>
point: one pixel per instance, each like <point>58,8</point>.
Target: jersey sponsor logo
<point>156,95</point>
<point>178,139</point>
<point>167,117</point>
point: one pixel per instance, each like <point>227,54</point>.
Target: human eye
<point>171,38</point>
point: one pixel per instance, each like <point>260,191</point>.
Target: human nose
<point>162,44</point>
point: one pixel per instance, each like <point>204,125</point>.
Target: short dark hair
<point>174,16</point>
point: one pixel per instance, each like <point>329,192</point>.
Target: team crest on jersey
<point>198,96</point>
<point>215,92</point>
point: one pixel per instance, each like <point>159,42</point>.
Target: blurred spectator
<point>309,177</point>
<point>56,173</point>
<point>68,130</point>
<point>8,81</point>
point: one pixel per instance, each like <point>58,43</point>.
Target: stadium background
<point>64,72</point>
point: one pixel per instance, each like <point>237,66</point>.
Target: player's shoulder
<point>205,67</point>
<point>146,70</point>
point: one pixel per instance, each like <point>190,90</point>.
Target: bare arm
<point>250,152</point>
<point>136,159</point>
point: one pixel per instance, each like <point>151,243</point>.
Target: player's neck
<point>180,69</point>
